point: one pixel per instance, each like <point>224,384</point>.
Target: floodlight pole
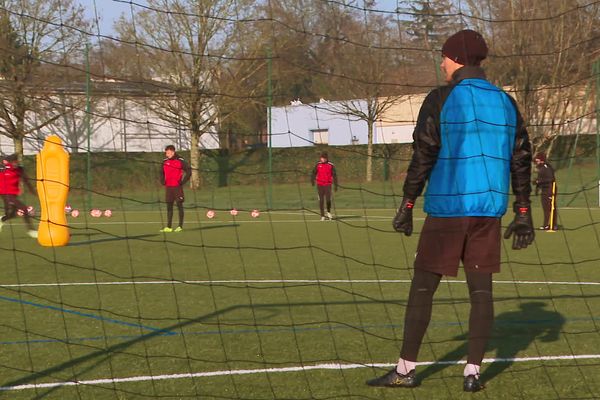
<point>88,110</point>
<point>270,127</point>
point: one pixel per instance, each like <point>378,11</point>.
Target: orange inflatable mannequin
<point>53,189</point>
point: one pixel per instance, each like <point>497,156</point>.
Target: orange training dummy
<point>53,188</point>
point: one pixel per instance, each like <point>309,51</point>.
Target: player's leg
<point>547,208</point>
<point>170,197</point>
<point>181,214</point>
<point>179,199</point>
<point>418,314</point>
<point>481,318</point>
<point>7,209</point>
<point>321,192</point>
<point>20,206</point>
<point>481,259</point>
<point>10,207</point>
<point>328,200</point>
<point>170,214</point>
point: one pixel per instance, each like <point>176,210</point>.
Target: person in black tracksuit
<point>546,183</point>
<point>470,145</point>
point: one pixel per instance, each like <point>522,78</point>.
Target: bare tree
<point>541,50</point>
<point>38,41</point>
<point>365,77</point>
<point>182,47</point>
<point>72,122</point>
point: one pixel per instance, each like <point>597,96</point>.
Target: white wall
<point>117,127</point>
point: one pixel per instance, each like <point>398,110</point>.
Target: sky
<point>108,11</point>
<point>111,10</point>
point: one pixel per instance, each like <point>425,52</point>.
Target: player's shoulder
<point>330,163</point>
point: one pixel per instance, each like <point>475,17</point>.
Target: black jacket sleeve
<point>520,165</point>
<point>426,143</point>
<point>187,170</point>
<point>545,177</point>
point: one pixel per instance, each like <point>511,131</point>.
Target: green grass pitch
<point>241,295</point>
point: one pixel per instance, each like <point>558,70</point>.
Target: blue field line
<point>279,330</point>
<point>87,315</point>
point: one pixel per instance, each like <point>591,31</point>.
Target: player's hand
<point>335,188</point>
<point>521,227</point>
<point>403,221</point>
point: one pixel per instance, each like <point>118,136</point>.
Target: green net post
<point>88,127</point>
<point>596,73</point>
<point>270,133</point>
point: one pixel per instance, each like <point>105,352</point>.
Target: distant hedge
<point>118,171</point>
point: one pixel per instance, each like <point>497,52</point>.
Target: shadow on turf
<point>147,235</point>
<point>86,234</point>
<point>112,239</point>
<point>514,331</point>
<point>345,217</point>
<point>207,227</point>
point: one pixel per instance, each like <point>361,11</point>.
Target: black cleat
<point>395,380</point>
<point>472,384</point>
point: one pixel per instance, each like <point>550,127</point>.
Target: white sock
<point>404,367</point>
<point>471,369</point>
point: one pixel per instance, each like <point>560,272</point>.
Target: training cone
<point>52,172</point>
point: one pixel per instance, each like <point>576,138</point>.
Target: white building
<point>120,122</point>
<point>300,124</point>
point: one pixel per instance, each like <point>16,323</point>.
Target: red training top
<point>10,175</point>
<point>175,171</point>
<point>324,174</point>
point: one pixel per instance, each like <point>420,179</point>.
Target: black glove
<point>403,221</point>
<point>521,227</point>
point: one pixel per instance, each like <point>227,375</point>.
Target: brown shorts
<point>174,193</point>
<point>445,242</point>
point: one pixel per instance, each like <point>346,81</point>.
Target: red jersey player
<point>175,173</point>
<point>11,173</point>
<point>324,174</point>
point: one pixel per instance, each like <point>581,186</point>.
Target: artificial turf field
<point>243,304</point>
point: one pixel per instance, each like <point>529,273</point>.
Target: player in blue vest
<point>469,143</point>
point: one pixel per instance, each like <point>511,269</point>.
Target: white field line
<point>329,366</point>
<point>280,281</point>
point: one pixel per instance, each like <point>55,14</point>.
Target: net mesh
<point>257,298</point>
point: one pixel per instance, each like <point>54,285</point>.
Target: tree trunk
<point>550,147</point>
<point>370,151</point>
<point>195,160</point>
<point>18,143</point>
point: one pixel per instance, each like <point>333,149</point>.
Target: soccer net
<point>262,295</point>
